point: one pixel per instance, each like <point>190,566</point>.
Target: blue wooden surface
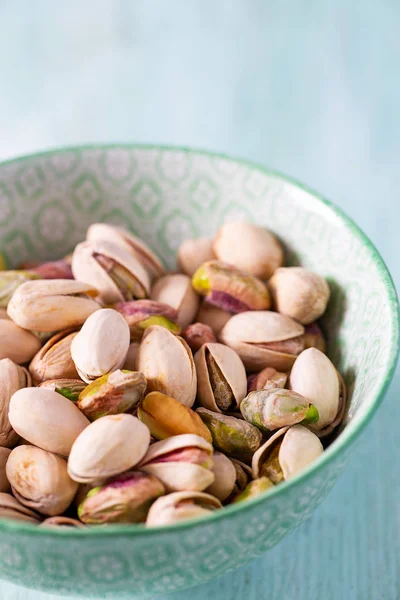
<point>310,87</point>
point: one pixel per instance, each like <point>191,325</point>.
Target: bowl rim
<point>347,437</point>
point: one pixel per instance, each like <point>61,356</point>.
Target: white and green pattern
<point>47,202</point>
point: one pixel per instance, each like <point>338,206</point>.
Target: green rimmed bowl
<point>165,195</point>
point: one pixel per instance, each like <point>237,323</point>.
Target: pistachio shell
<point>111,269</point>
<point>101,345</point>
<point>249,247</point>
<point>224,477</point>
<point>299,448</point>
<point>213,316</point>
<point>273,408</point>
<point>243,476</point>
<point>315,377</point>
<point>341,410</point>
<point>167,363</point>
<point>263,451</point>
<point>254,489</point>
<point>107,447</point>
<point>39,480</point>
<point>54,360</point>
<point>193,253</point>
<point>140,314</point>
<point>46,419</point>
<point>13,378</point>
<point>69,388</point>
<point>314,338</point>
<point>62,522</point>
<point>10,508</point>
<point>56,269</point>
<point>10,281</point>
<point>16,343</point>
<point>250,333</point>
<point>198,334</point>
<point>267,377</point>
<point>52,305</point>
<point>181,506</point>
<point>131,357</point>
<point>176,290</point>
<point>221,382</point>
<point>165,417</point>
<point>4,483</point>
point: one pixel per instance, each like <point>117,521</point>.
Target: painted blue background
<point>309,87</point>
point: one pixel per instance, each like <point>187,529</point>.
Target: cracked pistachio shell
<point>141,314</point>
<point>213,316</point>
<point>198,334</point>
<point>243,476</point>
<point>13,378</point>
<point>10,281</point>
<point>69,388</point>
<point>249,247</point>
<point>130,242</point>
<point>221,377</point>
<point>315,377</point>
<point>123,499</point>
<point>165,417</point>
<point>265,378</point>
<point>264,339</point>
<point>10,508</point>
<point>101,345</point>
<point>4,483</point>
<point>111,394</point>
<point>182,462</point>
<point>167,363</point>
<point>131,357</point>
<point>107,447</point>
<point>46,419</point>
<point>176,290</point>
<point>181,506</point>
<point>52,305</point>
<point>16,343</point>
<point>299,293</point>
<point>39,480</point>
<point>254,488</point>
<point>111,269</point>
<point>62,521</point>
<point>232,436</point>
<point>54,360</point>
<point>224,477</point>
<point>193,253</point>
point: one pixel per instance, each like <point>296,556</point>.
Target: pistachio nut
<point>16,343</point>
<point>272,408</point>
<point>299,293</point>
<point>130,242</point>
<point>221,377</point>
<point>165,417</point>
<point>125,498</point>
<point>55,269</point>
<point>111,269</point>
<point>84,489</point>
<point>107,447</point>
<point>46,419</point>
<point>254,489</point>
<point>101,345</point>
<point>224,477</point>
<point>12,378</point>
<point>62,521</point>
<point>140,314</point>
<point>54,360</point>
<point>315,377</point>
<point>230,435</point>
<point>286,453</point>
<point>176,290</point>
<point>249,247</point>
<point>4,483</point>
<point>229,288</point>
<point>181,506</point>
<point>10,281</point>
<point>314,338</point>
<point>10,508</point>
<point>264,339</point>
<point>198,334</point>
<point>181,462</point>
<point>243,476</point>
<point>213,316</point>
<point>69,388</point>
<point>167,363</point>
<point>111,394</point>
<point>39,480</point>
<point>193,253</point>
<point>266,377</point>
<point>52,305</point>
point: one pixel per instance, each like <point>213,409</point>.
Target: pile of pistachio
<point>129,394</point>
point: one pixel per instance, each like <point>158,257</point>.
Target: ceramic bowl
<point>165,195</point>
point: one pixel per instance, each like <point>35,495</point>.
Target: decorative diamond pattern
<point>204,194</point>
<point>146,198</point>
<point>87,194</point>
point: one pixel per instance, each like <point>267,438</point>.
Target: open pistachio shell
<point>39,480</point>
<point>176,290</point>
<point>12,378</point>
<point>254,488</point>
<point>341,410</point>
<point>69,388</point>
<point>165,417</point>
<point>167,363</point>
<point>4,483</point>
<point>10,508</point>
<point>265,378</point>
<point>221,377</point>
<point>54,360</point>
<point>141,314</point>
<point>264,339</point>
<point>213,316</point>
<point>193,253</point>
<point>16,343</point>
<point>224,477</point>
<point>315,377</point>
<point>244,474</point>
<point>111,269</point>
<point>10,281</point>
<point>181,506</point>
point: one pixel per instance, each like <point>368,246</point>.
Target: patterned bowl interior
<point>165,195</point>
